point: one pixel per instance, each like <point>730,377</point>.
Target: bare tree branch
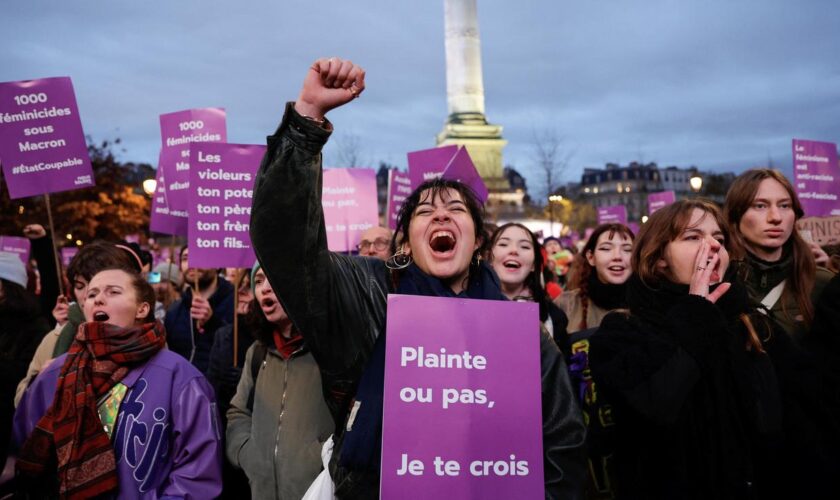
<point>551,159</point>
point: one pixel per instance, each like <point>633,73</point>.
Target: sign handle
<point>55,247</point>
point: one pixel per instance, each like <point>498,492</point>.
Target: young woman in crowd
<point>21,329</point>
<point>517,260</point>
<point>695,398</point>
<point>119,414</point>
<point>339,302</point>
<point>278,419</point>
<point>770,256</point>
<point>91,259</point>
<point>597,280</point>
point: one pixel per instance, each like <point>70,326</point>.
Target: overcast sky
<point>720,84</point>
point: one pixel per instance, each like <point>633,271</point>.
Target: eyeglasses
<point>379,245</point>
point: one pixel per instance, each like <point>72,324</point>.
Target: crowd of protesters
<point>698,358</point>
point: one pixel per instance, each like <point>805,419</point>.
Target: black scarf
<point>362,444</point>
<point>607,296</point>
<point>761,276</point>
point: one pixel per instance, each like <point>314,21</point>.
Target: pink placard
<point>221,188</point>
<point>428,164</point>
<point>461,168</point>
<point>350,205</point>
<point>816,175</point>
<point>659,200</point>
<point>456,399</point>
<point>16,245</point>
<point>611,214</point>
<point>164,219</point>
<point>42,144</point>
<point>399,188</point>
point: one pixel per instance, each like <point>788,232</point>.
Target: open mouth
<point>101,316</point>
<point>715,276</point>
<point>511,264</point>
<point>442,241</point>
<point>268,303</point>
<point>617,269</point>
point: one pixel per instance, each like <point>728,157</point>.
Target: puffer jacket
<point>278,444</point>
<point>338,303</point>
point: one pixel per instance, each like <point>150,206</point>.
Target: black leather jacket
<point>339,302</point>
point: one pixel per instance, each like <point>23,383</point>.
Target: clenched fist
<point>329,83</point>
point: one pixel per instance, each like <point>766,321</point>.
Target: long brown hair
<point>665,226</point>
<point>581,269</point>
<point>800,279</point>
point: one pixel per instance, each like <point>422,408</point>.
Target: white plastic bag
<point>323,488</point>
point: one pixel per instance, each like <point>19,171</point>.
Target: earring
<point>399,260</point>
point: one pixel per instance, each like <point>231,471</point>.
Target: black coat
<point>697,415</point>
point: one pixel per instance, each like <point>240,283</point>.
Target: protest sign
<point>820,230</point>
<point>659,200</point>
<point>16,245</point>
<point>164,219</point>
<point>399,188</point>
<point>428,164</point>
<point>816,176</point>
<point>634,227</point>
<point>177,131</point>
<point>612,214</point>
<point>67,254</point>
<point>350,205</point>
<point>42,145</point>
<point>221,187</point>
<point>462,411</point>
<point>461,168</point>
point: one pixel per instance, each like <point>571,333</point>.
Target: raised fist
<point>329,83</point>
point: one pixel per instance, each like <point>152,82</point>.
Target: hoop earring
<point>399,260</point>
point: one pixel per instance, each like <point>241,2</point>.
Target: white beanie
<point>12,269</point>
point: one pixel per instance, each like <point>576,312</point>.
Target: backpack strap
<point>257,358</point>
<point>772,297</point>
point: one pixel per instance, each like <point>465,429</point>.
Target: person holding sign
<point>338,302</point>
<point>119,414</point>
<point>772,258</point>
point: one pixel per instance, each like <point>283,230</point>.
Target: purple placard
<point>17,245</point>
<point>428,164</point>
<point>659,200</point>
<point>177,131</point>
<point>42,145</point>
<point>399,188</point>
<point>221,187</point>
<point>350,205</point>
<point>504,419</point>
<point>634,227</point>
<point>67,254</point>
<point>611,214</point>
<point>816,176</point>
<point>461,168</point>
<point>165,219</point>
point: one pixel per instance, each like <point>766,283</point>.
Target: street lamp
<point>149,186</point>
<point>696,182</point>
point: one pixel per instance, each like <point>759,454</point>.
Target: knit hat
<point>254,273</point>
<point>164,269</point>
<point>12,268</point>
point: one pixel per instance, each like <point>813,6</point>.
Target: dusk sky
<point>721,84</point>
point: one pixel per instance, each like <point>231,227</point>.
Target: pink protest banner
<point>634,227</point>
<point>177,131</point>
<point>221,187</point>
<point>614,213</point>
<point>816,176</point>
<point>659,200</point>
<point>16,245</point>
<point>42,145</point>
<point>462,411</point>
<point>350,205</point>
<point>67,254</point>
<point>399,188</point>
<point>164,219</point>
<point>461,168</point>
<point>428,164</point>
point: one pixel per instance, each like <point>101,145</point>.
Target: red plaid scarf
<point>71,432</point>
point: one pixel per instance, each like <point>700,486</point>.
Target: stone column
<point>464,87</point>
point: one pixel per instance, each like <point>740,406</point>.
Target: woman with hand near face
<point>515,256</point>
<point>118,414</point>
<point>338,302</point>
<point>777,265</point>
<point>598,276</point>
<point>694,395</point>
